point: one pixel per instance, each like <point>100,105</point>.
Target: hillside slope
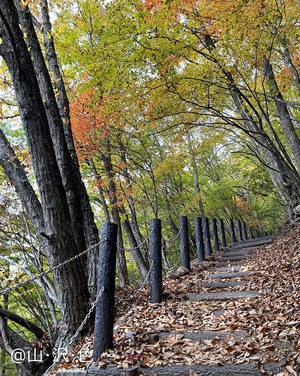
<point>259,329</point>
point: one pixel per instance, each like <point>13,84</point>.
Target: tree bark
<point>81,215</point>
<point>283,111</point>
<point>72,293</point>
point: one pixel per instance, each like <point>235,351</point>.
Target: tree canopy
<point>125,111</point>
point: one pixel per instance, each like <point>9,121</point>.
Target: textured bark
<point>54,68</point>
<point>82,220</point>
<point>72,293</point>
<point>283,111</point>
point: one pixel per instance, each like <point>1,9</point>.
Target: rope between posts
<point>176,236</point>
<point>43,274</point>
<point>138,246</point>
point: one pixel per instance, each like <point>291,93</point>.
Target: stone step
<point>259,242</point>
<point>216,285</point>
<point>227,275</point>
<point>226,295</point>
<point>218,264</point>
<point>240,252</point>
<point>231,258</point>
<point>199,335</point>
<point>228,269</point>
<point>248,369</point>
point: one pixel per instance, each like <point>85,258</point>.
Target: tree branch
<point>33,328</point>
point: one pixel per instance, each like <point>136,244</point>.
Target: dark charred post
<point>244,230</point>
<point>231,230</point>
<point>199,239</point>
<point>103,339</point>
<point>257,233</point>
<point>239,228</point>
<point>215,235</point>
<point>155,261</point>
<point>184,242</point>
<point>251,233</point>
<point>222,233</point>
<point>208,250</point>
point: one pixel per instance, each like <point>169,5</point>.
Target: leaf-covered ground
<point>269,326</point>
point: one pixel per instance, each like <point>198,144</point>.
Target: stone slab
<point>226,269</point>
<point>239,252</point>
<point>258,242</point>
<point>215,285</point>
<point>227,275</point>
<point>231,258</point>
<point>250,369</point>
<point>218,264</point>
<point>226,295</point>
<point>199,335</point>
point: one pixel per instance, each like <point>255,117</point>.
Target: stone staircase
<point>223,272</point>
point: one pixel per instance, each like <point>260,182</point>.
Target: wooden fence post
<point>208,250</point>
<point>231,230</point>
<point>104,321</point>
<point>251,233</point>
<point>222,233</point>
<point>184,242</point>
<point>244,230</point>
<point>215,235</point>
<point>199,239</point>
<point>239,228</point>
<point>155,262</point>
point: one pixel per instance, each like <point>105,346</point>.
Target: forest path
<point>221,288</point>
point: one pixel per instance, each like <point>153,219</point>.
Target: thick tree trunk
<point>81,215</point>
<point>54,68</point>
<point>72,293</point>
<point>283,111</point>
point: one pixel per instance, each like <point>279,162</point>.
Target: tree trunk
<point>113,197</point>
<point>195,175</point>
<point>135,251</point>
<point>279,165</point>
<point>73,295</point>
<point>134,223</point>
<point>283,111</point>
<point>81,215</point>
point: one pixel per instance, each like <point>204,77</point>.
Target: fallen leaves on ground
<point>154,334</point>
